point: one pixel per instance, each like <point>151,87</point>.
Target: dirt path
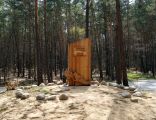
<point>84,103</point>
<point>126,110</point>
<point>147,85</point>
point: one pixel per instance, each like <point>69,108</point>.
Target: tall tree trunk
<point>121,72</point>
<point>29,51</point>
<point>46,43</point>
<point>128,36</point>
<point>38,54</point>
<point>87,18</point>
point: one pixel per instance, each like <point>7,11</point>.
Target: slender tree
<point>121,72</point>
<point>47,67</point>
<point>38,54</point>
<point>87,18</point>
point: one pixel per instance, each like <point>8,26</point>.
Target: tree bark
<point>38,54</point>
<point>46,43</point>
<point>87,18</point>
<point>121,70</point>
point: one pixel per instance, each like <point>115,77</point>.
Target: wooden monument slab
<point>79,63</point>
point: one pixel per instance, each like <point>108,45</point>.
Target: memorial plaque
<point>79,62</point>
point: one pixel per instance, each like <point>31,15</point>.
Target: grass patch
<point>138,75</point>
<point>45,91</point>
<point>35,89</point>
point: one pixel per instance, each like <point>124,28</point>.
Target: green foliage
<point>45,90</point>
<point>77,31</point>
<point>137,75</point>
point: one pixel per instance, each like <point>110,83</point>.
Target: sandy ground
<point>84,103</point>
<point>147,85</point>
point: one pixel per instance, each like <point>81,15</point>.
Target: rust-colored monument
<point>79,63</point>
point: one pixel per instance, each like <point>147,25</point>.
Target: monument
<point>79,63</point>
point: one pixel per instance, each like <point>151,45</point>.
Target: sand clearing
<point>84,103</point>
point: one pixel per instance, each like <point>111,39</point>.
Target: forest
<point>34,50</point>
<point>62,21</point>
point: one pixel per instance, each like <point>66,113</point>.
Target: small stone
<point>65,89</point>
<point>132,88</point>
<point>134,100</point>
<point>51,98</point>
<point>40,97</point>
<point>126,88</point>
<point>113,84</point>
<point>94,85</point>
<point>50,84</point>
<point>21,87</point>
<point>63,97</point>
<point>59,82</point>
<point>95,82</point>
<point>136,90</point>
<point>72,106</point>
<point>27,87</point>
<point>42,85</point>
<point>53,93</point>
<point>103,83</point>
<point>35,115</point>
<point>19,94</point>
<point>65,85</point>
<point>126,94</point>
<point>55,81</point>
<point>138,94</point>
<point>25,96</point>
<point>120,86</point>
<point>33,86</point>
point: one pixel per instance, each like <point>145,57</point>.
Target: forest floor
<point>84,103</point>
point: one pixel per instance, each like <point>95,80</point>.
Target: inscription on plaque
<point>79,51</point>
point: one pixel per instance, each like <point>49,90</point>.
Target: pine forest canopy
<point>34,35</point>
